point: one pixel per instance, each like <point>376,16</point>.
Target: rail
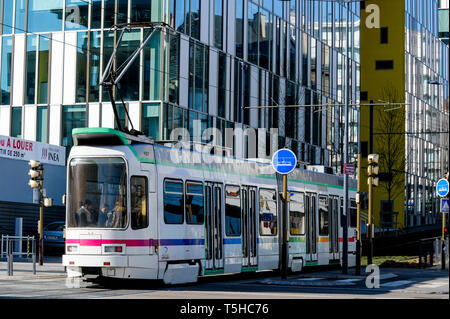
<point>12,246</point>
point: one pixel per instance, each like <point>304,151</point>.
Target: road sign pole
<point>443,243</point>
<point>284,161</point>
<point>285,254</point>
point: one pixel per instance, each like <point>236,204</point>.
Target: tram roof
<point>106,136</point>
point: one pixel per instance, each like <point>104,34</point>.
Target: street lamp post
<point>434,82</point>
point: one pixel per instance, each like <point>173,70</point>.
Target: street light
<point>435,82</point>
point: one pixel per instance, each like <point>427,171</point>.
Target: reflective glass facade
<point>221,57</point>
<point>427,92</point>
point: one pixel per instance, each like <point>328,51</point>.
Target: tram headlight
<point>72,248</point>
<point>113,249</point>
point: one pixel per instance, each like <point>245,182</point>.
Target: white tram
<point>134,210</point>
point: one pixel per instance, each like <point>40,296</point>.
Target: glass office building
<point>214,59</point>
<point>427,95</point>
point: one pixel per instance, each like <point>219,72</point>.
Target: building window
<point>384,35</point>
<point>16,122</point>
<point>45,16</point>
<point>77,14</point>
<point>150,120</point>
<point>239,28</point>
<point>7,17</point>
<point>6,71</point>
<point>82,59</point>
<point>73,116</point>
<point>94,65</point>
<point>172,67</point>
<point>152,68</point>
<point>218,23</point>
<point>222,80</point>
<point>198,76</point>
<point>141,10</point>
<point>30,66</point>
<point>43,61</point>
<point>42,124</point>
<point>384,65</point>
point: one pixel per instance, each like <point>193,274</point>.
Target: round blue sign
<point>442,187</point>
<point>284,161</point>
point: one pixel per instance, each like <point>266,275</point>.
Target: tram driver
<point>84,214</point>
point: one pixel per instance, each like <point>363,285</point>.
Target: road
<point>404,284</point>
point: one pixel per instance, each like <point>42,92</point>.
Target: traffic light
<point>373,169</point>
<point>35,174</point>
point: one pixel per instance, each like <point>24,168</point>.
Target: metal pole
<point>347,95</point>
<point>41,220</point>
<point>369,230</point>
<point>443,243</point>
<point>284,247</point>
<point>358,216</point>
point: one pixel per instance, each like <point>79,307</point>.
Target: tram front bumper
<point>94,261</point>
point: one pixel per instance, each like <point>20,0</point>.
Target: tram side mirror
<point>64,199</point>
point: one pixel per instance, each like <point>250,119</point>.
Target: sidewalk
<point>23,270</point>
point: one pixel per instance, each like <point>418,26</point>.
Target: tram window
<point>139,207</point>
<point>267,212</point>
<point>173,202</point>
<point>97,193</point>
<point>232,211</point>
<point>297,214</point>
<point>323,216</point>
<point>194,203</point>
<point>353,213</point>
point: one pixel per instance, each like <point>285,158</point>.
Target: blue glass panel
<point>43,61</point>
<point>150,119</point>
<point>42,124</point>
<point>7,17</point>
<point>16,122</point>
<point>77,14</point>
<point>140,10</point>
<point>30,66</point>
<point>94,66</point>
<point>45,16</point>
<point>20,16</point>
<point>6,70</point>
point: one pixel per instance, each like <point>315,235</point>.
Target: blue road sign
<point>445,204</point>
<point>442,187</point>
<point>284,161</point>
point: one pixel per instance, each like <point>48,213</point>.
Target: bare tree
<point>390,144</point>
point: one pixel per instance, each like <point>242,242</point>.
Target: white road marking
<point>397,283</point>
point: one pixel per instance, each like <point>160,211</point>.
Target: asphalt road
<point>403,284</point>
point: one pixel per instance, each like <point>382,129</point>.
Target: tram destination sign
<point>284,161</point>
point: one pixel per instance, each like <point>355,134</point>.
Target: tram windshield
<point>97,194</point>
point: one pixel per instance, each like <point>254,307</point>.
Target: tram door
<point>249,235</point>
<point>334,227</point>
<point>213,228</point>
<point>311,235</point>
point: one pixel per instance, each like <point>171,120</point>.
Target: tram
<point>140,209</point>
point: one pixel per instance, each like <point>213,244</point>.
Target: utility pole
<point>37,181</point>
<point>358,216</point>
<point>373,170</point>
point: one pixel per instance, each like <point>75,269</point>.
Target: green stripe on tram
<point>214,272</point>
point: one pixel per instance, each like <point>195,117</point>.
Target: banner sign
<point>19,149</point>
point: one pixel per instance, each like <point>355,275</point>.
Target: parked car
<point>53,235</point>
